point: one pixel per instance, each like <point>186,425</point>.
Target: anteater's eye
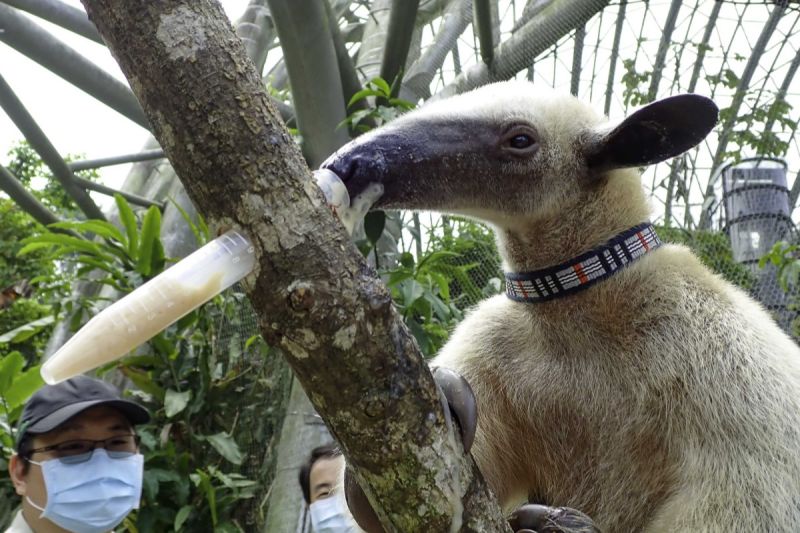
<point>520,141</point>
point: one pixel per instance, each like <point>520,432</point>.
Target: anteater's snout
<point>357,166</point>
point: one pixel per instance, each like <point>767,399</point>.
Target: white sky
<point>75,122</point>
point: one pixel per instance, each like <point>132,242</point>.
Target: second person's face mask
<point>93,496</point>
<point>330,515</point>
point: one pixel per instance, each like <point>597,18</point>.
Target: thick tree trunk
<point>313,293</point>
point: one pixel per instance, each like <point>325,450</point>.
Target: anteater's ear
<point>654,133</point>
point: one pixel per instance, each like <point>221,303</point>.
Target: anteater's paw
<point>535,518</point>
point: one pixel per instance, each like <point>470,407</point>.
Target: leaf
<point>421,336</point>
<point>26,331</point>
<point>360,95</point>
<point>154,477</point>
<point>397,276</point>
<point>401,104</point>
<point>443,284</point>
<point>99,227</point>
<point>151,229</point>
<point>180,518</point>
<point>33,246</point>
<point>407,259</point>
<point>202,480</point>
<point>439,307</point>
<point>198,236</point>
<point>10,367</point>
<point>436,257</point>
<point>23,387</point>
<point>95,263</point>
<point>144,382</point>
<point>411,291</point>
<point>356,117</point>
<point>158,260</point>
<point>374,222</point>
<point>227,527</point>
<point>73,244</point>
<point>175,402</point>
<point>382,85</point>
<point>128,220</point>
<point>234,481</point>
<point>226,446</point>
<point>149,486</point>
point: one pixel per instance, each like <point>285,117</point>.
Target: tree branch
<point>311,290</point>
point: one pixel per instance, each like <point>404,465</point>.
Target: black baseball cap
<point>52,405</point>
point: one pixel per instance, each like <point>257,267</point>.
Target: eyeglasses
<point>81,450</point>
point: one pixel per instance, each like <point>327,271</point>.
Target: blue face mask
<point>93,496</point>
<point>330,515</point>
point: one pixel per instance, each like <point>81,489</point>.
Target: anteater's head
<point>510,149</point>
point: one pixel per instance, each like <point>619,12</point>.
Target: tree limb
<point>313,294</point>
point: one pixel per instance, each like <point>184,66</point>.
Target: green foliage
<point>421,293</point>
<point>15,226</point>
<point>748,130</point>
<point>726,78</point>
<point>193,452</point>
<point>458,268</point>
<point>714,250</point>
<point>31,171</point>
<point>26,325</point>
<point>786,257</point>
<point>635,90</point>
<point>17,383</point>
<point>18,380</point>
<point>384,108</point>
<point>475,245</point>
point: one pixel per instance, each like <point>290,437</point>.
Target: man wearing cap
<point>77,465</point>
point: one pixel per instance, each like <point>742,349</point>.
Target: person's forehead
<point>325,470</point>
<point>99,419</point>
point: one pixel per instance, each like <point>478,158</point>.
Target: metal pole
<point>794,192</point>
<point>398,41</point>
<point>28,38</point>
<point>663,47</point>
<point>614,55</point>
<point>577,59</point>
<point>109,191</point>
<point>703,46</point>
<point>87,164</point>
<point>39,142</point>
<point>60,14</point>
<point>784,88</point>
<point>28,202</point>
<point>483,27</point>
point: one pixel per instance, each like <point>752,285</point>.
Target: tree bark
<point>313,294</point>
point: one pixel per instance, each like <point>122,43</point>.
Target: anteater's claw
<point>543,519</point>
<point>461,401</point>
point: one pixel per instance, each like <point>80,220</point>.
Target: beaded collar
<point>585,270</point>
